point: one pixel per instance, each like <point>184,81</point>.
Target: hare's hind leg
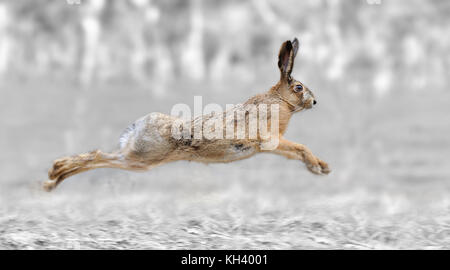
<point>143,145</point>
<point>68,166</point>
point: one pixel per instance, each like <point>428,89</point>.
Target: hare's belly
<point>225,153</point>
<point>240,151</point>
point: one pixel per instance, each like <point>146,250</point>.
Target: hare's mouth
<point>304,106</point>
<point>309,104</point>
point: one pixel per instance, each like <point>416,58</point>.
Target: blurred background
<point>75,73</point>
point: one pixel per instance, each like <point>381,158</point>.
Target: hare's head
<point>290,90</point>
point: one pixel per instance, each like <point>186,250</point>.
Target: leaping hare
<point>150,142</point>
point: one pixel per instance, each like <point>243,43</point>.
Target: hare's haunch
<point>150,141</point>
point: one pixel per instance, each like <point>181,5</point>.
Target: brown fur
<point>149,142</point>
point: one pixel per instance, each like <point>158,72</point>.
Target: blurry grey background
<point>74,74</point>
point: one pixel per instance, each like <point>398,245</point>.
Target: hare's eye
<point>298,88</point>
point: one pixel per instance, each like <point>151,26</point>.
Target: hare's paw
<point>325,169</point>
<point>49,185</point>
<point>318,167</point>
<point>315,169</point>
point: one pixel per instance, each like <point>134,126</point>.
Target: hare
<point>149,141</point>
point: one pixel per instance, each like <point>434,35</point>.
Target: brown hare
<point>150,141</point>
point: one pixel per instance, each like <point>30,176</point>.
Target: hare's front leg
<point>297,151</point>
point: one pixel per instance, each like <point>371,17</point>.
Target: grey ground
<point>388,189</point>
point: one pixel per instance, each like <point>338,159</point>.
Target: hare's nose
<point>314,102</point>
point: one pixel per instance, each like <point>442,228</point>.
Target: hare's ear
<point>286,57</point>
